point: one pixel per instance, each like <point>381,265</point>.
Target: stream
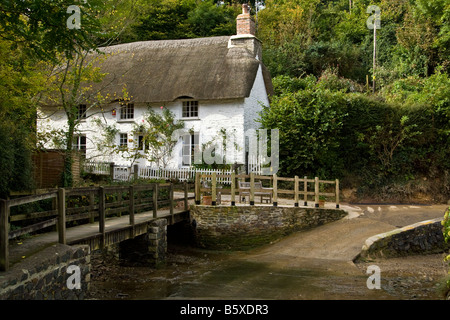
<point>192,273</point>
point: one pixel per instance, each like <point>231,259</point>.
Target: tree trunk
<point>68,158</point>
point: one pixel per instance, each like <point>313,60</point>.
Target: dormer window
<point>127,112</point>
<point>190,109</point>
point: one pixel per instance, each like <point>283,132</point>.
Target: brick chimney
<point>244,22</point>
<point>245,37</point>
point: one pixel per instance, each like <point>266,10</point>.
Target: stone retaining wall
<point>419,238</point>
<point>244,227</point>
<point>45,275</point>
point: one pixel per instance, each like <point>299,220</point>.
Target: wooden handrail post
<point>91,207</point>
<point>252,188</point>
<point>4,235</point>
<point>233,189</point>
<point>197,188</point>
<point>337,193</point>
<point>296,191</point>
<point>316,192</point>
<point>62,215</point>
<point>186,187</point>
<point>305,190</point>
<point>131,206</point>
<point>155,200</point>
<point>275,190</point>
<point>101,214</point>
<point>171,200</point>
<point>214,189</point>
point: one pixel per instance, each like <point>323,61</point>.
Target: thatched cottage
<point>214,85</point>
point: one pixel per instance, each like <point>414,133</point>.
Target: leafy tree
<point>157,131</point>
<point>21,83</point>
<point>209,19</point>
<point>309,120</point>
<point>72,81</point>
<point>40,26</point>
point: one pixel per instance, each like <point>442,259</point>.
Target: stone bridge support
<point>148,249</point>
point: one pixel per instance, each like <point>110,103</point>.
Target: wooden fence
<point>301,188</point>
<point>88,204</point>
<point>127,173</point>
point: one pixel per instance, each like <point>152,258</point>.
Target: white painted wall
<point>213,116</point>
<point>235,116</point>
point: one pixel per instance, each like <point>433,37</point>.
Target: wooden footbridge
<point>96,216</point>
<point>102,216</point>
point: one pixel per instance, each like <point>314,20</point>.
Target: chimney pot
<point>244,8</point>
<point>245,23</point>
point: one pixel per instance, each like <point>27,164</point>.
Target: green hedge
<point>329,130</point>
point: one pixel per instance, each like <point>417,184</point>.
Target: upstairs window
<point>190,109</point>
<point>127,112</point>
<point>81,112</point>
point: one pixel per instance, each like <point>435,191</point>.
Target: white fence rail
<point>181,174</point>
<point>125,173</point>
<point>122,173</point>
<point>102,168</point>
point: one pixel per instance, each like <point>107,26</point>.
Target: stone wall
<point>419,238</point>
<point>244,227</point>
<point>45,275</point>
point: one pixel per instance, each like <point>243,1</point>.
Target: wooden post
<point>316,192</point>
<point>155,200</point>
<point>119,199</point>
<point>233,189</point>
<point>4,235</point>
<point>62,216</point>
<point>55,207</point>
<point>296,191</point>
<point>275,190</point>
<point>135,172</point>
<point>111,171</point>
<point>214,189</point>
<point>252,188</point>
<point>374,52</point>
<point>131,206</point>
<point>337,193</point>
<point>197,188</point>
<point>91,207</point>
<point>186,187</point>
<point>101,214</point>
<point>171,200</point>
<point>305,189</point>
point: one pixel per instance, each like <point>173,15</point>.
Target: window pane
<point>81,112</point>
<point>127,111</point>
<point>190,109</point>
<point>123,139</point>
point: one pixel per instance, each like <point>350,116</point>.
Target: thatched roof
<point>162,71</point>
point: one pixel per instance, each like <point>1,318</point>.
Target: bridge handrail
<point>317,193</point>
<point>61,213</point>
